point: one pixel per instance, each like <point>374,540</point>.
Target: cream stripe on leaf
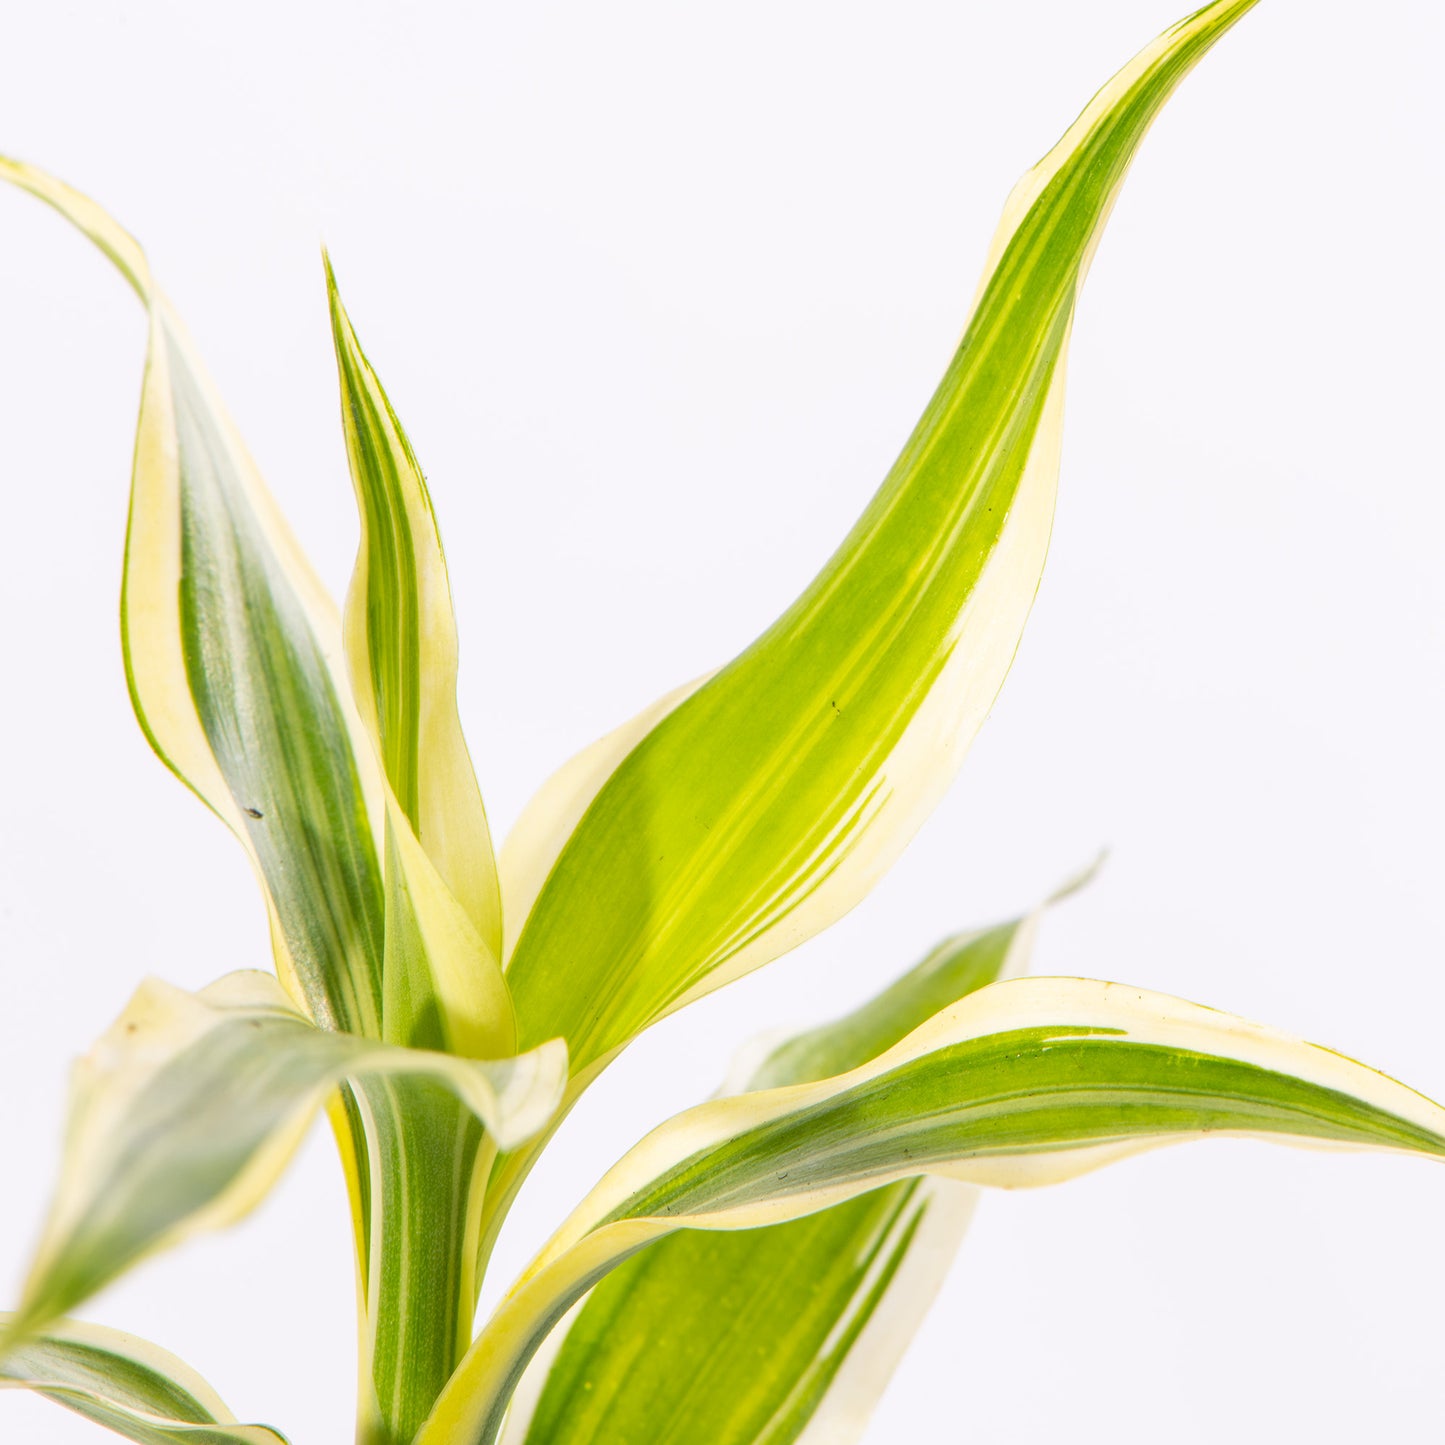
<point>237,671</point>
<point>553,812</point>
<point>130,1386</point>
<point>401,644</point>
<point>767,803</point>
<point>234,660</point>
<point>756,1331</point>
<point>854,1368</point>
<point>188,1108</point>
<point>1026,1082</point>
<point>442,981</point>
<point>728,1328</point>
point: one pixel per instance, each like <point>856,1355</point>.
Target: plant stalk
<point>429,1160</point>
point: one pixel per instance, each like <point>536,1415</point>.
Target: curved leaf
<point>762,1332</point>
<point>233,656</point>
<point>552,814</point>
<point>126,1384</point>
<point>235,662</point>
<point>188,1108</point>
<point>747,1330</point>
<point>767,803</point>
<point>1025,1082</point>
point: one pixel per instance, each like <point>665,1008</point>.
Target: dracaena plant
<point>751,1271</point>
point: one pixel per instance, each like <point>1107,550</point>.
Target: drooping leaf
<point>1025,1082</point>
<point>126,1384</point>
<point>761,1331</point>
<point>765,804</point>
<point>188,1108</point>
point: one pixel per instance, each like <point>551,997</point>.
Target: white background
<point>659,291</point>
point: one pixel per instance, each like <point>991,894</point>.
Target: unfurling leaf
<point>444,920</point>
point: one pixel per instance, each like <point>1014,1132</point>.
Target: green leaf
<point>760,1332</point>
<point>958,966</point>
<point>553,812</point>
<point>233,655</point>
<point>1025,1082</point>
<point>444,932</point>
<point>236,666</point>
<point>188,1108</point>
<point>746,1331</point>
<point>126,1384</point>
<point>751,1330</point>
<point>764,805</point>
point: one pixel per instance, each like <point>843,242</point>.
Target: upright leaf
<point>233,655</point>
<point>188,1108</point>
<point>236,669</point>
<point>768,802</point>
<point>442,981</point>
<point>401,644</point>
<point>548,820</point>
<point>1025,1082</point>
<point>128,1385</point>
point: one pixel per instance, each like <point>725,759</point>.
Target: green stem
<point>429,1160</point>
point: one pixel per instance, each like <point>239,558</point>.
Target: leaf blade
<point>761,1332</point>
<point>1026,1082</point>
<point>681,1332</point>
<point>189,1107</point>
<point>766,804</point>
<point>234,661</point>
<point>401,639</point>
<point>126,1384</point>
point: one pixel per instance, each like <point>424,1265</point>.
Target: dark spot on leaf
<point>254,813</point>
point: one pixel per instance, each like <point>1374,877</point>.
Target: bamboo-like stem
<point>429,1164</point>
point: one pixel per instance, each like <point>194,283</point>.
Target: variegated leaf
<point>444,929</point>
<point>234,659</point>
<point>766,803</point>
<point>126,1384</point>
<point>1025,1082</point>
<point>767,1333</point>
<point>747,1330</point>
<point>188,1108</point>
